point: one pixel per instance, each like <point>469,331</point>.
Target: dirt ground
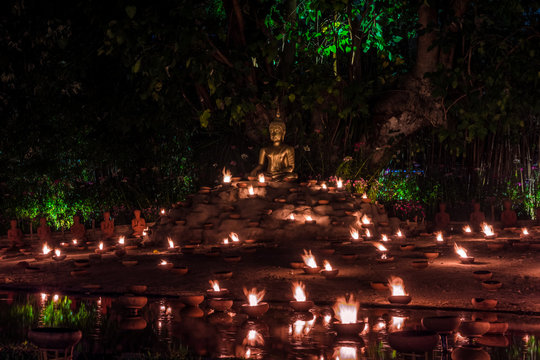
<point>445,283</point>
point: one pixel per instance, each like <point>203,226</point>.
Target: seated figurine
<point>508,216</point>
<point>138,224</point>
<point>477,217</point>
<point>77,230</point>
<point>44,231</point>
<point>442,218</point>
<point>107,226</point>
<point>15,235</point>
<point>279,157</point>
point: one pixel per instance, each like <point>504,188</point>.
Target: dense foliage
<point>110,105</point>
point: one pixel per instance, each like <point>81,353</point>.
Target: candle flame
<point>309,259</point>
<point>46,249</point>
<point>171,243</point>
<point>291,217</point>
<point>122,240</point>
<point>364,196</point>
<point>346,353</point>
<point>101,246</point>
<point>327,266</point>
<point>215,285</point>
<point>380,246</point>
<point>57,253</point>
<point>368,233</point>
<point>439,236</point>
<point>254,296</point>
<point>339,183</point>
<point>226,241</point>
<point>248,353</point>
<point>226,175</point>
<point>162,211</point>
<point>354,234</point>
<point>163,262</point>
<point>346,310</point>
<point>525,231</point>
<point>384,237</point>
<point>74,241</point>
<point>254,338</point>
<point>145,232</point>
<point>396,284</point>
<point>261,178</point>
<point>384,256</point>
<point>234,237</point>
<point>397,322</point>
<point>366,220</point>
<point>308,218</point>
<point>460,251</point>
<point>324,187</point>
<point>399,234</point>
<point>298,291</point>
<point>467,229</point>
<point>487,230</point>
<point>251,191</point>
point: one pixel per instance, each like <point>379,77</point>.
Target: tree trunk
<point>289,47</point>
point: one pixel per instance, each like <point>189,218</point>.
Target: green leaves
<point>205,116</point>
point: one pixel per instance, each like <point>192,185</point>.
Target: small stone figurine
<point>77,230</point>
<point>15,235</point>
<point>107,226</point>
<point>44,231</point>
<point>508,216</point>
<point>477,217</point>
<point>279,157</point>
<point>138,224</point>
<point>442,218</point>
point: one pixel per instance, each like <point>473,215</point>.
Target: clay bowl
<point>32,269</point>
<point>82,263</point>
<point>255,311</point>
<point>431,255</point>
<point>120,252</point>
<point>232,258</point>
<point>366,200</point>
<point>327,251</point>
<point>484,304</point>
<point>297,264</point>
<point>250,241</point>
<point>129,263</point>
<point>330,274</point>
<point>323,202</point>
<point>131,247</point>
<point>236,178</point>
<point>132,301</point>
<point>234,216</point>
<point>482,275</point>
<point>250,249</point>
<point>379,286</point>
<point>167,266</point>
<point>399,299</point>
<point>262,184</point>
<point>498,327</point>
<point>493,341</point>
<point>473,328</point>
<point>78,272</point>
<point>349,329</point>
<point>311,271</point>
<point>407,247</point>
<point>191,298</point>
<point>470,352</point>
<point>419,264</point>
<point>137,289</point>
<point>310,222</point>
<point>59,258</point>
<point>495,246</point>
<point>387,260</point>
<point>220,304</point>
<point>301,306</point>
<point>252,178</point>
<point>223,275</point>
<point>208,226</point>
<point>467,260</point>
<point>491,285</point>
<point>211,293</point>
<point>180,270</point>
<point>413,341</point>
<point>442,324</point>
<point>349,257</point>
<point>241,185</point>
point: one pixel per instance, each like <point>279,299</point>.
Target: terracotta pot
<point>129,263</point>
<point>255,311</point>
<point>180,270</point>
<point>484,304</point>
<point>349,329</point>
<point>191,298</point>
<point>470,352</point>
<point>166,266</point>
<point>32,269</point>
<point>79,272</point>
<point>491,285</point>
<point>379,286</point>
<point>498,327</point>
<point>407,247</point>
<point>495,246</point>
<point>132,323</point>
<point>133,302</point>
<point>399,299</point>
<point>387,260</point>
<point>466,260</point>
<point>311,271</point>
<point>442,324</point>
<point>211,293</point>
<point>330,274</point>
<point>413,341</point>
<point>223,275</point>
<point>220,304</point>
<point>323,202</point>
<point>232,258</point>
<point>301,306</point>
<point>250,241</point>
<point>482,275</point>
<point>137,289</point>
<point>59,258</point>
<point>431,255</point>
<point>350,257</point>
<point>419,264</point>
<point>474,328</point>
<point>493,341</point>
<point>327,251</point>
<point>54,338</point>
<point>81,263</point>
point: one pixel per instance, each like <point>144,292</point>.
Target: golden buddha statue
<point>279,156</point>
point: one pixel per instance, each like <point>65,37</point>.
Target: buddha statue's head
<point>76,219</point>
<point>107,215</point>
<point>277,129</point>
<point>13,224</point>
<point>43,221</point>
